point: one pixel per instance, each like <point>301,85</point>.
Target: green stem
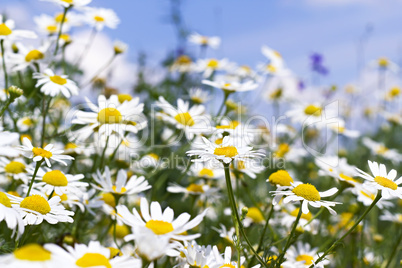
<point>103,153</point>
<point>236,214</point>
<point>378,197</point>
<point>45,109</point>
<point>60,30</point>
<point>291,235</point>
<point>4,64</point>
<point>33,176</point>
<point>394,250</point>
<point>5,106</point>
<point>226,96</point>
<point>51,194</point>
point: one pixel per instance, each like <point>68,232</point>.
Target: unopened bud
<point>15,92</point>
<point>244,212</point>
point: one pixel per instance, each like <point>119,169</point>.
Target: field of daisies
<point>183,170</point>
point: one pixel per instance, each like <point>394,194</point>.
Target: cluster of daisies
<point>180,172</point>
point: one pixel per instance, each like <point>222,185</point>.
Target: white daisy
<point>231,86</point>
<point>52,84</point>
<point>25,123</point>
<point>307,193</point>
<point>275,59</point>
<point>8,144</point>
<point>11,216</point>
<point>36,208</point>
<point>161,223</point>
<point>225,233</point>
<point>134,184</point>
<point>7,31</point>
<point>70,3</point>
<point>382,181</point>
<point>208,170</point>
<point>39,154</point>
<point>367,195</point>
<point>210,41</point>
<point>101,17</point>
<point>392,217</point>
<point>302,255</point>
<point>182,64</point>
<point>27,56</point>
<point>226,260</point>
<point>339,128</point>
<point>202,190</point>
<point>192,120</point>
<point>16,168</point>
<point>337,168</point>
<point>198,96</point>
<point>93,255</point>
<point>280,178</point>
<point>209,66</point>
<point>57,181</point>
<point>250,168</point>
<point>379,148</point>
<point>230,149</point>
<point>110,117</point>
<point>33,256</point>
<point>198,256</point>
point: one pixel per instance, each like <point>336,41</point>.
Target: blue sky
<point>295,28</point>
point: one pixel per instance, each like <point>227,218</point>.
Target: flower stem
<point>394,250</point>
<point>4,64</point>
<point>33,176</point>
<point>377,198</point>
<point>60,30</point>
<point>226,96</point>
<point>291,235</point>
<point>45,109</point>
<point>5,106</point>
<point>237,222</point>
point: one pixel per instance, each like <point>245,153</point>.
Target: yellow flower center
<point>110,116</point>
<point>32,252</point>
<point>369,195</point>
<point>55,178</point>
<point>154,156</point>
<point>57,79</point>
<point>68,1</point>
<point>121,231</point>
<point>307,216</point>
<point>241,165</point>
<point>283,149</point>
<point>308,260</point>
<point>347,178</point>
<point>227,265</point>
<point>41,152</point>
<point>114,252</point>
<point>386,182</point>
<point>123,189</point>
<point>313,110</point>
<point>382,149</point>
<point>307,191</point>
<point>70,145</point>
<point>27,121</point>
<point>183,60</point>
<point>4,30</point>
<point>195,188</point>
<point>59,17</point>
<point>51,28</point>
<point>280,177</point>
<point>395,92</point>
<point>15,167</point>
<point>93,259</point>
<point>255,214</point>
<point>159,227</point>
<point>99,19</point>
<point>229,151</point>
<point>271,68</point>
<point>184,119</point>
<point>213,63</point>
<point>4,200</point>
<point>232,125</point>
<point>36,203</point>
<point>383,62</point>
<point>34,55</point>
<point>206,172</point>
<point>124,97</point>
<point>219,141</point>
<point>276,94</point>
<point>109,199</point>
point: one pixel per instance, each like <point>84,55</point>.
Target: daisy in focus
<point>38,154</point>
<point>15,169</point>
<point>307,194</point>
<point>160,223</point>
<point>11,216</point>
<point>382,181</point>
<point>7,31</point>
<point>230,149</point>
<point>302,255</point>
<point>51,84</point>
<point>122,186</point>
<point>36,208</point>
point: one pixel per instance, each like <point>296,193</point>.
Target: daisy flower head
<point>275,61</point>
<point>302,255</point>
<point>58,181</point>
<point>25,123</point>
<point>70,3</point>
<point>119,47</point>
<point>16,168</point>
<point>337,168</point>
<point>199,96</point>
<point>382,181</point>
<point>367,195</point>
<point>233,86</point>
<point>36,208</point>
<point>392,217</point>
<point>250,168</point>
<point>45,154</point>
<point>280,178</point>
<point>290,214</point>
<point>338,127</point>
<point>11,216</point>
<point>206,41</point>
<point>7,31</point>
<point>310,114</point>
<point>307,194</point>
<point>33,256</point>
<point>230,149</point>
<point>192,120</point>
<point>160,223</point>
<point>208,170</point>
<point>110,117</point>
<point>52,84</point>
<point>27,56</point>
<point>101,17</point>
<point>182,64</point>
<point>226,260</point>
<point>379,148</point>
<point>8,142</point>
<point>122,186</point>
<point>209,66</point>
<point>91,255</point>
<point>197,256</point>
<point>202,190</point>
